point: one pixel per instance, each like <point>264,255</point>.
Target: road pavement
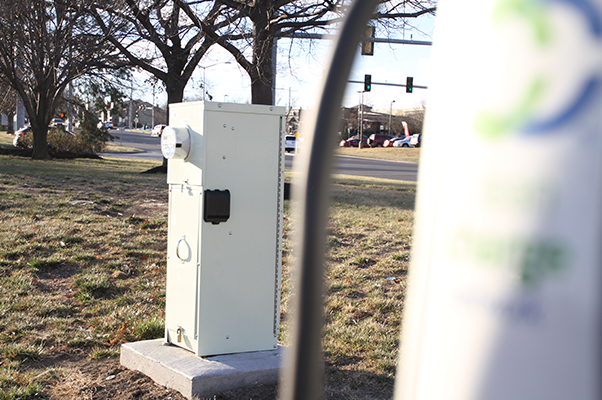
<point>150,147</point>
<point>150,150</point>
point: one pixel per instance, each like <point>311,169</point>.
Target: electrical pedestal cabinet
<point>226,176</point>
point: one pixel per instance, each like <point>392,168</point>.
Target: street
<point>357,166</point>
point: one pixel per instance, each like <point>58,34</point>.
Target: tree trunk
<point>40,113</point>
<point>263,45</point>
<point>40,140</point>
<point>261,86</point>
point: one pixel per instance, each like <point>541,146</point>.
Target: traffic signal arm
<point>390,84</point>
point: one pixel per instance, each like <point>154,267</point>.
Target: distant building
<point>378,121</point>
<point>373,121</point>
<point>144,112</point>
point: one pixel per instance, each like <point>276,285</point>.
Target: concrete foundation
<point>191,375</point>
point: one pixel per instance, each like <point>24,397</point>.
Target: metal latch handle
<point>178,247</point>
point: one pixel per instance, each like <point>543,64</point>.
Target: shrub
<point>91,139</point>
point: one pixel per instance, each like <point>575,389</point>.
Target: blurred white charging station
<point>226,176</point>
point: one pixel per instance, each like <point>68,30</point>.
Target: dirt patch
<point>58,281</point>
<point>83,378</point>
<point>79,377</point>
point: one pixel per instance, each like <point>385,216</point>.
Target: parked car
<point>19,133</point>
<point>158,130</point>
<point>416,140</point>
<point>354,142</point>
<point>56,122</point>
<point>290,143</point>
<point>390,142</point>
<point>399,141</point>
<point>403,142</point>
<point>104,125</point>
<point>378,139</point>
<point>18,140</point>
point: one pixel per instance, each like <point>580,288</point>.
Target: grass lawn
<point>407,154</point>
<point>6,141</point>
<point>82,270</point>
<point>115,148</point>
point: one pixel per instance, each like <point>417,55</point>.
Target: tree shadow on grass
<point>339,384</point>
<point>342,384</point>
<point>19,152</point>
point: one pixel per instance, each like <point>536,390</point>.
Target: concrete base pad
<point>192,375</point>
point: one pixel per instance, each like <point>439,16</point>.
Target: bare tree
<point>414,118</point>
<point>44,45</point>
<point>258,24</point>
<point>157,37</point>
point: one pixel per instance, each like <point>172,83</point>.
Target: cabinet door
<point>182,295</point>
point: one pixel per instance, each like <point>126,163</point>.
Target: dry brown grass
<point>66,227</point>
<point>63,308</point>
<point>406,154</point>
<point>6,140</point>
<point>365,279</point>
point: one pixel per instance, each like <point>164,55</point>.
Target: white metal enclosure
<point>226,178</point>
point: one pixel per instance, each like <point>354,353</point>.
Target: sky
<point>300,68</point>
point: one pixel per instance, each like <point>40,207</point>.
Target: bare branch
<point>405,15</point>
<point>211,33</point>
<point>259,23</point>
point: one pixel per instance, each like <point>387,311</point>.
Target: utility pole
<point>390,115</point>
<point>153,113</point>
<point>204,81</point>
<point>361,115</point>
<point>70,111</point>
<point>274,65</point>
<point>359,119</point>
<point>204,86</point>
<point>20,114</point>
<point>70,116</point>
<point>130,120</point>
<point>360,146</point>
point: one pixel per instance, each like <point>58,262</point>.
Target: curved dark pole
<point>302,378</point>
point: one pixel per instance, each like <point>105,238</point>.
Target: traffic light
<point>62,115</point>
<point>367,83</point>
<point>368,47</point>
<point>409,84</point>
